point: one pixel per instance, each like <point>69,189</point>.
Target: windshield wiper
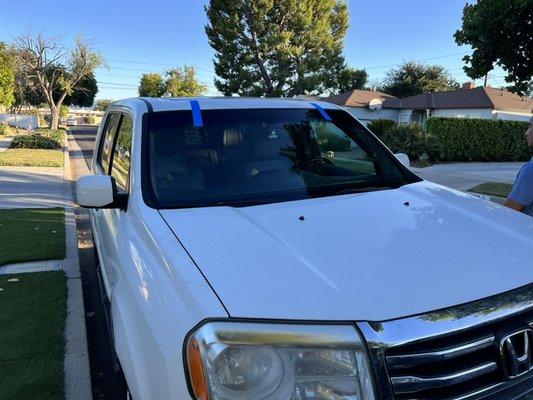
<point>240,203</point>
<point>364,189</point>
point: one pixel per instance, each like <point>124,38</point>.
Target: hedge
<point>40,139</point>
<point>465,139</point>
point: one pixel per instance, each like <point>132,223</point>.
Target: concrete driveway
<point>33,187</point>
<point>463,176</point>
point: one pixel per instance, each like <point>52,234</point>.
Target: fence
<point>20,121</point>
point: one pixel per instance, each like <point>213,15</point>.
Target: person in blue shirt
<point>521,197</point>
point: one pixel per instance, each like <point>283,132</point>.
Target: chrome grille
<point>453,353</point>
<point>457,366</point>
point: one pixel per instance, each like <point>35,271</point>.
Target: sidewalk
<point>33,187</point>
<point>41,187</point>
<point>464,176</point>
<point>5,143</point>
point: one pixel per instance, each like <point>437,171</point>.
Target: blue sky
<point>136,37</point>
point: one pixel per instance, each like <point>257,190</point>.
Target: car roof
<point>142,104</point>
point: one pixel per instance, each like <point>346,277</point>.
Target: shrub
<point>3,128</point>
<point>89,119</point>
<point>413,141</point>
<point>34,142</point>
<point>58,135</point>
<point>63,111</point>
<point>480,139</point>
<point>41,139</point>
<point>378,126</point>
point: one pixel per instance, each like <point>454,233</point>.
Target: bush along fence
<point>480,139</point>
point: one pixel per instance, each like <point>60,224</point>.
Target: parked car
<point>72,121</point>
<point>241,261</point>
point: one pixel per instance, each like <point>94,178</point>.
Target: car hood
<point>370,256</point>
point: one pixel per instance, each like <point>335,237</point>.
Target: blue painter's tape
<point>196,114</point>
<point>323,112</point>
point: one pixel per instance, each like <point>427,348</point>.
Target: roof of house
<point>357,98</point>
<point>504,100</point>
<point>480,97</point>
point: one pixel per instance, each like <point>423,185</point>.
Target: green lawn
<point>32,320</point>
<point>32,234</point>
<point>493,189</point>
<point>31,158</point>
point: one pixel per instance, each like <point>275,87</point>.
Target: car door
<point>114,160</point>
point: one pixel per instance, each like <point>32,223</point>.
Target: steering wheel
<point>319,161</point>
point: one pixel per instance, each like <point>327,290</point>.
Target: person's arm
<point>515,205</point>
<point>522,193</point>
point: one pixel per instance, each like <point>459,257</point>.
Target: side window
<point>107,140</point>
<point>120,167</point>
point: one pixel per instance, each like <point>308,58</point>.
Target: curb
<point>76,363</point>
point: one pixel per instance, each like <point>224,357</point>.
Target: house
<point>467,102</point>
<point>367,105</point>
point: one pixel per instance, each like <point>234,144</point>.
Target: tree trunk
<point>54,118</point>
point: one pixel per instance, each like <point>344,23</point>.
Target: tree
<point>182,82</point>
<point>277,48</point>
<point>151,85</point>
<point>102,104</point>
<point>7,76</point>
<point>500,33</point>
<point>413,78</point>
<point>84,93</point>
<point>45,61</point>
<point>178,82</point>
<point>350,79</point>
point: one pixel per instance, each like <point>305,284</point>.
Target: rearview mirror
<point>99,191</point>
<point>404,159</point>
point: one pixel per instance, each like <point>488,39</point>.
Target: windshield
<point>256,156</point>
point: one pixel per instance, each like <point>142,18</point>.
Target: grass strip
<point>493,189</point>
<point>31,158</point>
<point>33,310</point>
<point>32,234</point>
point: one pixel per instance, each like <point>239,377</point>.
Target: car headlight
<point>260,361</point>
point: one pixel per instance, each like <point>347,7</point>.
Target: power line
<point>422,59</point>
<point>118,84</point>
<point>130,85</point>
<point>117,88</point>
<point>102,70</point>
<point>142,70</point>
<point>152,63</point>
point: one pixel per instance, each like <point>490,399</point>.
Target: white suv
<point>276,249</point>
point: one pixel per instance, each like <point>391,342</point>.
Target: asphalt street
<point>85,136</point>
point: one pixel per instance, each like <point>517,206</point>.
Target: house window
<point>404,118</point>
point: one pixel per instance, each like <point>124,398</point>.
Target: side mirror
<point>404,159</point>
<point>99,191</point>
